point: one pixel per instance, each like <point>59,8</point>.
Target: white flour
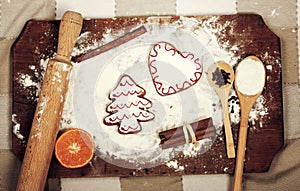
<point>250,77</point>
<point>132,148</point>
<point>26,80</point>
<point>94,79</point>
<point>131,59</point>
<point>16,128</point>
<point>174,164</point>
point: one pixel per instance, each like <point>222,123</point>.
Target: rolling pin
<point>46,122</point>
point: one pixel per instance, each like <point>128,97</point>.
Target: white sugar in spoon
<point>250,77</point>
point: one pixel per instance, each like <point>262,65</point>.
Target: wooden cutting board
<point>240,35</point>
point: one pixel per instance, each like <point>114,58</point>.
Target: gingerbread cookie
<point>128,107</point>
<point>173,71</point>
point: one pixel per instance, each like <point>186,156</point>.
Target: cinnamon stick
<point>174,142</point>
<point>199,125</point>
<point>115,43</point>
<point>181,137</point>
<point>175,137</point>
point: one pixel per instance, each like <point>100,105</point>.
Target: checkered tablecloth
<point>281,16</point>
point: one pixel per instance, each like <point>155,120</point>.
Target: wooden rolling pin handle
<point>69,29</point>
<point>49,108</point>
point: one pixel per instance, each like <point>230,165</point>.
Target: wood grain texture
<point>46,121</point>
<point>252,37</point>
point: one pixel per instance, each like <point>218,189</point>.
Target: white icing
<point>173,71</point>
<point>250,77</point>
<point>127,106</point>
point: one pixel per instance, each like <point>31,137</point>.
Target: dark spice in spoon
<point>221,77</point>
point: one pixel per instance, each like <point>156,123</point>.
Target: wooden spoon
<point>221,77</point>
<point>250,81</point>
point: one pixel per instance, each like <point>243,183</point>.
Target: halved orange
<point>74,148</point>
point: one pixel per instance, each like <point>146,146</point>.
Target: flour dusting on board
<point>257,114</point>
<point>131,148</point>
<point>31,83</point>
<point>26,81</point>
<point>84,44</point>
<point>68,119</point>
<point>16,127</point>
<point>142,149</point>
<point>174,164</point>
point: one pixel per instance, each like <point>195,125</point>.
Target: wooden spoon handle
<point>227,125</point>
<point>48,112</point>
<point>228,132</point>
<point>239,164</point>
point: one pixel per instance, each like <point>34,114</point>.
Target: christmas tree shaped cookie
<point>128,107</point>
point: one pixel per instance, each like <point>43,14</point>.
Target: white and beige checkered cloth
<point>281,16</point>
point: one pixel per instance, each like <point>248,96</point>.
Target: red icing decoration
<point>128,107</point>
<point>153,62</point>
<point>126,94</point>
